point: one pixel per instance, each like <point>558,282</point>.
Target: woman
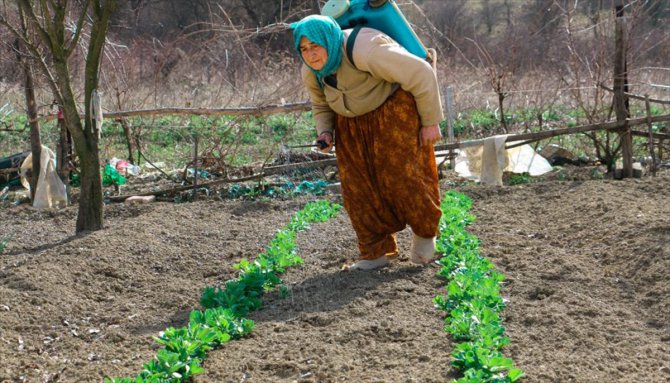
<point>384,110</point>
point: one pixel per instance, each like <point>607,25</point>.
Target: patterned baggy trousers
<point>388,180</point>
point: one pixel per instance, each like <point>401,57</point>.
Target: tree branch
<point>58,28</point>
<point>242,46</point>
<point>28,9</point>
<point>36,54</point>
<point>45,11</point>
<point>96,45</point>
<point>77,33</point>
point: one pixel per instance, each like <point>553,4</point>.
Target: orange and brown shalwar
<point>388,180</point>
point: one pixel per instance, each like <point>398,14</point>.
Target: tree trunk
<point>508,13</point>
<point>64,152</point>
<point>487,13</point>
<point>90,216</point>
<point>126,129</point>
<point>35,141</point>
<point>501,105</point>
<point>129,140</point>
<point>31,109</point>
<point>620,90</point>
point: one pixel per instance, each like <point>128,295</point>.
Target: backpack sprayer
<point>383,15</point>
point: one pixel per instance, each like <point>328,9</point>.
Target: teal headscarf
<point>322,30</point>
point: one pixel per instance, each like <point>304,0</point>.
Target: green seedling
<point>3,244</point>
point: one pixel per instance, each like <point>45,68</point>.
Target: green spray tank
<point>383,15</point>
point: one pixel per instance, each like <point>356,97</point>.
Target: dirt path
<point>588,289</point>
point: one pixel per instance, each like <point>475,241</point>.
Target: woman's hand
<point>429,135</point>
<point>326,137</point>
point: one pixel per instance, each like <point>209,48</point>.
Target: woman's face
<point>314,55</point>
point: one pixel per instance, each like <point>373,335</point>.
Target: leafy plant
<point>551,115</point>
<point>520,179</point>
<point>287,190</point>
<point>484,119</point>
<point>170,367</point>
<point>234,296</point>
<point>3,244</point>
<point>467,286</point>
<point>225,321</point>
<point>284,291</point>
<point>596,174</point>
<point>281,126</point>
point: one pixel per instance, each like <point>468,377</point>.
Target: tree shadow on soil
<point>179,318</point>
<point>317,294</point>
<point>46,246</point>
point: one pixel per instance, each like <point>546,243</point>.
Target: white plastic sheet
<point>486,163</point>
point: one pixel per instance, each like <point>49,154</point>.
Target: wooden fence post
<point>620,88</point>
<point>450,124</point>
<point>195,166</point>
<point>651,137</point>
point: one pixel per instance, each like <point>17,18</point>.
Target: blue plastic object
<point>386,17</point>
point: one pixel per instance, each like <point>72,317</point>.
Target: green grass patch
<point>237,141</point>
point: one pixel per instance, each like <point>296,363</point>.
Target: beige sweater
<point>380,64</point>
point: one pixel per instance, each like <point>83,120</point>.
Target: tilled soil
<point>588,291</point>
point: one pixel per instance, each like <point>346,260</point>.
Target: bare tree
<point>500,71</point>
<point>586,66</point>
<point>60,37</point>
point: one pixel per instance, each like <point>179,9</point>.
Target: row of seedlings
<point>226,308</point>
<point>472,302</point>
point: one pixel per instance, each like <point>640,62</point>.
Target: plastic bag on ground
<point>50,190</point>
<point>110,176</point>
<point>123,166</point>
<point>523,159</point>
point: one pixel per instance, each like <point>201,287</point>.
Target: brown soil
<point>587,266</point>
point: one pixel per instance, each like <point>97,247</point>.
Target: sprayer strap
<point>351,40</point>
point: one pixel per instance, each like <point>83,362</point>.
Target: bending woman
<point>383,109</point>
